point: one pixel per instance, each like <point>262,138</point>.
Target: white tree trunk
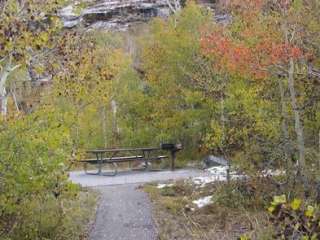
<point>222,119</point>
<point>104,126</point>
<point>4,104</point>
<point>114,119</point>
<point>319,153</point>
<point>297,118</point>
<point>284,124</point>
<point>174,5</point>
<point>294,104</point>
<point>15,100</point>
<point>3,93</point>
<point>7,70</point>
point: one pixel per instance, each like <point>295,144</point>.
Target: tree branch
<point>14,68</point>
<point>171,7</point>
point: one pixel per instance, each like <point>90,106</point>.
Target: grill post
<point>173,159</point>
<point>173,148</point>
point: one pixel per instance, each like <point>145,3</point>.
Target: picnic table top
<point>122,149</point>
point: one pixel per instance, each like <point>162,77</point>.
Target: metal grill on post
<point>173,148</point>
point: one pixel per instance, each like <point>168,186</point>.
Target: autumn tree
<point>167,106</point>
<point>267,41</point>
<point>27,30</point>
<point>86,69</point>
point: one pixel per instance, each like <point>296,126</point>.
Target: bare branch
<point>171,7</point>
<point>14,68</point>
<point>2,59</point>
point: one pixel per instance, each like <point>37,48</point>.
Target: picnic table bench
<point>111,157</point>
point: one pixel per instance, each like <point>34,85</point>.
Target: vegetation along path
<point>124,211</point>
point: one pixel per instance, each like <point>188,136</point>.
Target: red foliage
<point>245,4</point>
<point>239,58</point>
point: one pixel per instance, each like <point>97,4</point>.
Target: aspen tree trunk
<point>114,120</point>
<point>15,100</point>
<point>175,7</point>
<point>223,138</point>
<point>284,125</point>
<point>222,119</point>
<point>319,153</point>
<point>4,103</point>
<point>3,93</point>
<point>297,118</point>
<point>6,71</point>
<point>76,127</point>
<point>104,125</point>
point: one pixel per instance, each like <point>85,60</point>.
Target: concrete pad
<point>133,177</point>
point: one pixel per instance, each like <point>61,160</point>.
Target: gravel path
<point>124,211</point>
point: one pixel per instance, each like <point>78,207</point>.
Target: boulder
<point>68,17</point>
<point>213,161</point>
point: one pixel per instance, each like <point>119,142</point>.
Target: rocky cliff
<point>116,14</point>
<point>120,14</point>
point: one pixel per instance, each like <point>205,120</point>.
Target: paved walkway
<point>124,211</point>
<point>133,177</point>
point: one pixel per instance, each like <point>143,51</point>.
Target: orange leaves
<point>295,52</point>
<point>256,5</point>
<point>255,42</point>
<point>228,55</point>
<point>283,52</point>
<point>276,53</point>
<point>246,7</point>
<point>215,43</point>
<point>237,57</point>
<point>246,4</point>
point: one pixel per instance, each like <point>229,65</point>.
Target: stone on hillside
<point>116,14</point>
<point>212,161</point>
<point>69,18</point>
<point>121,14</point>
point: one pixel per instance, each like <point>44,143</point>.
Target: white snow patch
<point>202,181</point>
<point>218,170</point>
<point>160,185</point>
<point>219,174</point>
<point>270,172</point>
<point>216,174</point>
<point>201,202</point>
<point>68,11</point>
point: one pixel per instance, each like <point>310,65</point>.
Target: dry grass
<point>177,218</point>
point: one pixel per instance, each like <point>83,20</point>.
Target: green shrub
<point>34,186</point>
<point>250,194</point>
<point>168,191</point>
<point>294,220</point>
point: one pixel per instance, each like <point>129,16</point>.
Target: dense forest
<point>246,89</point>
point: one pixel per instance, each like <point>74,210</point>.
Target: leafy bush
<point>34,185</point>
<point>253,193</point>
<point>294,220</point>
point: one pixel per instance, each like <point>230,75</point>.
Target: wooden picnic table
<point>122,150</point>
<point>111,156</point>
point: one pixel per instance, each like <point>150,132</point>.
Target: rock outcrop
<point>120,14</point>
<point>117,14</point>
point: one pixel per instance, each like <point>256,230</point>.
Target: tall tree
<point>85,74</point>
<point>26,30</point>
<point>267,41</point>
